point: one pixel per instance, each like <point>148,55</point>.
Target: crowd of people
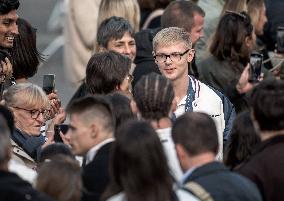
<point>165,109</point>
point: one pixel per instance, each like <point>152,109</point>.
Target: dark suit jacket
<point>224,185</point>
<point>96,174</point>
<point>265,167</point>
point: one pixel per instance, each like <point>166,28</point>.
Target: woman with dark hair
<point>230,50</point>
<point>121,107</point>
<point>242,141</point>
<point>139,169</point>
<point>25,54</point>
<point>106,72</point>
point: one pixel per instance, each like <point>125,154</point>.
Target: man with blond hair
<point>172,51</point>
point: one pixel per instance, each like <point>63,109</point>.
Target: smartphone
<point>255,66</point>
<point>57,128</point>
<point>48,84</point>
<point>280,40</point>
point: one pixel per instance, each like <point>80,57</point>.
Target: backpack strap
<point>198,191</point>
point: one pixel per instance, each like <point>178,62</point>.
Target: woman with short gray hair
<point>29,104</point>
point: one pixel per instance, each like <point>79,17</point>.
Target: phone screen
<point>48,83</point>
<point>255,66</point>
<point>280,39</point>
<point>60,128</point>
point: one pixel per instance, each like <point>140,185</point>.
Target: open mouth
<point>10,38</point>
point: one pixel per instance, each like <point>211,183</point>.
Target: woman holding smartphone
<point>29,104</point>
<point>226,68</point>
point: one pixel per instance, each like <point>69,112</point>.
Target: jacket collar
<point>268,143</point>
<point>207,169</point>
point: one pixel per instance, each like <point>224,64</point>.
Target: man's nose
<point>127,49</point>
<point>168,59</point>
<point>15,29</point>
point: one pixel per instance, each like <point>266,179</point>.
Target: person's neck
<point>180,88</point>
<point>4,166</point>
<point>265,135</point>
<point>20,129</point>
<point>200,159</point>
<point>102,137</point>
<point>164,122</point>
<point>21,80</point>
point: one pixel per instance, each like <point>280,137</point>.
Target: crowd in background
<point>176,101</point>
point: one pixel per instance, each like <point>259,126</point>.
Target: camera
<point>60,128</point>
<point>255,66</point>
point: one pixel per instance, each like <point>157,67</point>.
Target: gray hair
<point>170,36</point>
<point>26,94</point>
<point>113,28</point>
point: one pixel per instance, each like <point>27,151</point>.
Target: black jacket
<point>224,185</point>
<point>13,188</point>
<point>96,174</point>
<point>144,60</point>
<point>265,168</point>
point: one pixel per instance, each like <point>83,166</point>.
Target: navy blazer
<point>96,174</point>
<point>224,185</point>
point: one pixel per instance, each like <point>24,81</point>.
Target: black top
<point>265,168</point>
<point>96,174</point>
<point>13,188</point>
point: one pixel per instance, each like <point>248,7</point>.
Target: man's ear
<point>133,107</point>
<point>153,54</point>
<point>102,49</point>
<point>190,55</point>
<point>181,153</point>
<point>94,130</point>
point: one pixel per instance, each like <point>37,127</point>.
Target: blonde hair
<point>170,36</point>
<point>128,9</point>
<point>27,95</point>
<point>254,10</point>
<point>234,5</point>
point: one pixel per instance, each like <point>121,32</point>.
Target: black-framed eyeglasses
<point>34,113</point>
<point>174,57</point>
